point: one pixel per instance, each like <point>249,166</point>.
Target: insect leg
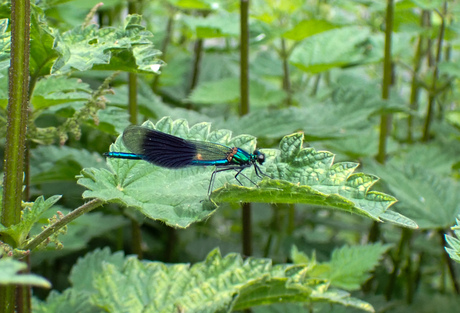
<point>259,172</point>
<point>240,172</point>
<point>213,176</point>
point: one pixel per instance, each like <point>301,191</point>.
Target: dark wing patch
<point>159,148</point>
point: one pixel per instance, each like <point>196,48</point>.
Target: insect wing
<point>209,153</point>
<point>159,148</point>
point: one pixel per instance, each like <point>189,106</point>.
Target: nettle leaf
<point>218,284</point>
<point>69,301</point>
<point>454,243</point>
<point>55,90</point>
<point>327,50</point>
<point>350,267</point>
<point>42,50</point>
<point>215,25</point>
<point>9,274</point>
<point>52,163</point>
<point>307,28</point>
<point>431,200</point>
<point>29,216</point>
<point>154,190</point>
<point>192,4</point>
<point>128,48</point>
<point>83,272</point>
<point>5,45</point>
<point>227,90</point>
<point>77,235</point>
<point>304,175</point>
<point>299,176</point>
<point>436,157</point>
<point>345,114</point>
<point>150,105</point>
<point>323,121</point>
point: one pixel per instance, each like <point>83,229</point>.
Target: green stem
<point>415,88</point>
<point>291,219</point>
<point>85,208</point>
<point>433,91</point>
<point>387,81</point>
<point>16,131</point>
<point>286,76</point>
<point>164,47</point>
<point>449,262</point>
<point>136,234</point>
<point>243,110</point>
<point>403,243</point>
<point>314,91</point>
<point>244,57</point>
<point>132,97</point>
<point>197,54</point>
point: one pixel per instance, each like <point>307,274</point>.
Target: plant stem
<point>197,54</point>
<point>85,208</point>
<point>415,89</point>
<point>243,110</point>
<point>387,81</point>
<point>403,243</point>
<point>314,91</point>
<point>286,77</point>
<point>433,92</point>
<point>449,263</point>
<point>244,57</point>
<point>18,81</point>
<point>136,234</point>
<point>164,47</point>
<point>17,114</point>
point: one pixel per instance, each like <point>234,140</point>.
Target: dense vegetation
<point>336,94</point>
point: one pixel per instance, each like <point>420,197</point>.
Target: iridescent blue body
<point>169,151</point>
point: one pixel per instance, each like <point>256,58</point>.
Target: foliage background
<point>316,67</point>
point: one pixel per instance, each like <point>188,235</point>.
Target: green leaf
<point>78,233</point>
<point>350,267</point>
<point>192,4</point>
<point>153,190</point>
<point>42,50</point>
<point>431,200</point>
<point>328,50</point>
<point>227,90</point>
<point>9,274</point>
<point>219,24</point>
<point>83,272</point>
<point>454,242</point>
<point>128,48</point>
<point>352,103</point>
<point>70,301</point>
<point>30,215</point>
<point>150,105</point>
<point>435,156</point>
<point>52,163</point>
<point>5,44</point>
<point>55,90</point>
<point>311,177</point>
<point>307,28</point>
<point>453,117</point>
<point>307,176</point>
<point>218,284</point>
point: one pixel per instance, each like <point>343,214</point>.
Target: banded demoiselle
<point>172,152</point>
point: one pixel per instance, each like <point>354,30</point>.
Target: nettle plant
<point>306,84</point>
<point>179,198</point>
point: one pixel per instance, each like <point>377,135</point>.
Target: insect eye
<point>260,157</point>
